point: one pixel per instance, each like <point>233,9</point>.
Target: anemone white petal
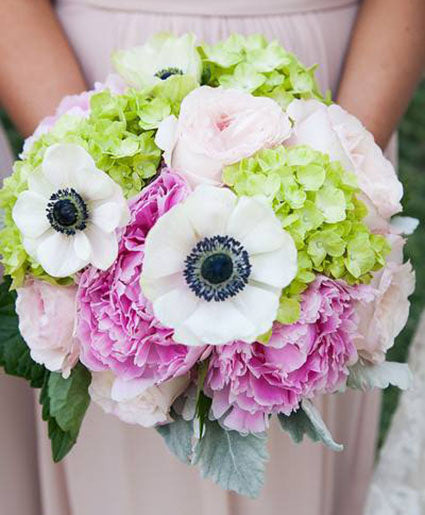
<point>173,229</point>
<point>38,183</point>
<point>166,137</point>
<point>104,247</point>
<point>254,224</point>
<point>175,306</point>
<point>208,209</point>
<point>106,215</point>
<point>29,214</point>
<point>217,323</point>
<point>259,305</point>
<point>91,183</point>
<point>62,160</point>
<point>162,261</point>
<point>82,246</point>
<point>277,268</point>
<point>56,254</point>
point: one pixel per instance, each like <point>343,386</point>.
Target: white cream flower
<point>146,407</point>
<point>215,266</point>
<point>218,127</point>
<point>163,56</point>
<point>69,213</point>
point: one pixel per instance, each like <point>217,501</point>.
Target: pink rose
<point>382,321</point>
<point>145,407</point>
<point>333,131</point>
<point>218,127</point>
<point>46,322</point>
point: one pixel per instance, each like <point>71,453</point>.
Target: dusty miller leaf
<point>178,437</point>
<point>367,377</point>
<point>232,460</point>
<point>308,421</point>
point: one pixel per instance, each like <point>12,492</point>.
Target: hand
<point>37,65</point>
<point>385,60</point>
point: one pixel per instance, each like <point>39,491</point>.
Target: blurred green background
<point>412,173</point>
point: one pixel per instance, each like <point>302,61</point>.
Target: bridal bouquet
<point>198,244</point>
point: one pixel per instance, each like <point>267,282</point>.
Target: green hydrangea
<point>118,134</point>
<point>315,199</point>
<point>264,69</point>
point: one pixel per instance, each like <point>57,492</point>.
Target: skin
<point>384,62</point>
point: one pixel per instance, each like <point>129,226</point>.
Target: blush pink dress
<point>127,470</point>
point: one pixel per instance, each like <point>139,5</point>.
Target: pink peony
<point>382,321</point>
<point>46,322</point>
<point>115,321</point>
<point>218,127</point>
<point>250,382</point>
<point>334,131</point>
<point>75,105</point>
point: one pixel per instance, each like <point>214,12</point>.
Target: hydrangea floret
<point>259,67</point>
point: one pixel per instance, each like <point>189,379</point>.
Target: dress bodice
<point>217,7</point>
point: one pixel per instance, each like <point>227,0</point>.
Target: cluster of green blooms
<point>264,69</point>
<point>315,199</point>
<point>119,135</point>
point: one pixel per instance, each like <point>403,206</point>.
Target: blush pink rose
<point>218,127</point>
<point>46,322</point>
<point>383,320</point>
<point>334,131</point>
<point>148,407</point>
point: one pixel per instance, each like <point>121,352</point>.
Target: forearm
<point>37,65</point>
<point>385,60</point>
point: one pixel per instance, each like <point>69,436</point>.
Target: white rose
<point>137,404</point>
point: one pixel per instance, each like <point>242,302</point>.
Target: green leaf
<point>69,398</point>
<point>367,376</point>
<point>61,442</point>
<point>178,437</point>
<point>64,403</point>
<point>232,460</point>
<point>14,352</point>
<point>308,421</point>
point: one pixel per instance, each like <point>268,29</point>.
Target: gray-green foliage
<point>308,421</point>
<point>232,460</point>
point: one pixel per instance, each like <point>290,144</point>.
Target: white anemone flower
<point>163,56</point>
<point>215,266</point>
<point>69,214</point>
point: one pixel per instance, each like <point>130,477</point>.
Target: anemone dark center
<point>217,268</point>
<point>168,72</point>
<point>67,212</point>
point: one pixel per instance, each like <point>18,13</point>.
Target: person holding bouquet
<point>370,56</point>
